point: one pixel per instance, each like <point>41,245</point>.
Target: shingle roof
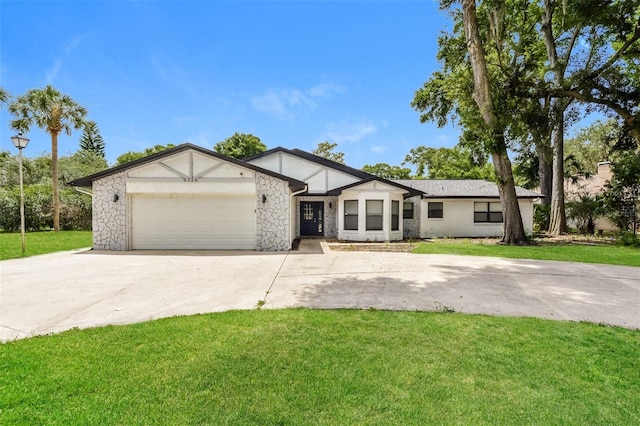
<point>461,188</point>
<point>86,181</point>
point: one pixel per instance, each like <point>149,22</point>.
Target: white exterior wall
<point>110,217</point>
<point>319,178</point>
<point>372,191</point>
<point>457,219</point>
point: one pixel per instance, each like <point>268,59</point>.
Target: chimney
<point>604,170</point>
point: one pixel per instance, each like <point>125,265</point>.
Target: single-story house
<point>460,208</point>
<point>189,197</point>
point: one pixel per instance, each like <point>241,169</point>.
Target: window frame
<point>378,217</point>
<point>487,214</point>
<point>430,210</point>
<point>350,216</point>
<point>410,210</point>
<point>395,215</point>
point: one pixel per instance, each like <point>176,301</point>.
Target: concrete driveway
<point>51,293</point>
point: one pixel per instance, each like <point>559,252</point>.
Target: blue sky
<point>293,73</point>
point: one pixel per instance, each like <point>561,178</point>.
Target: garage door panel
<point>183,222</point>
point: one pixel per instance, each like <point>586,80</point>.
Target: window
<point>407,210</point>
<point>395,215</point>
<point>374,215</point>
<point>487,212</point>
<point>435,210</point>
<point>351,215</point>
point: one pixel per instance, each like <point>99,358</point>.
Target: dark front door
<point>311,214</point>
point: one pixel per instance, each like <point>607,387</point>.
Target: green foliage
<point>449,163</point>
<point>42,243</point>
<point>325,367</point>
<point>132,156</point>
<point>326,150</point>
<point>541,216</point>
<point>593,144</point>
<point>584,211</point>
<point>91,140</point>
<point>75,209</point>
<point>240,145</point>
<point>629,239</point>
<point>4,96</point>
<point>386,171</point>
<point>622,193</point>
<point>47,109</point>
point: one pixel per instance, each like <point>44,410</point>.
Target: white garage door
<point>193,222</point>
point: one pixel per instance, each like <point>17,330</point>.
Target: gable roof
<point>315,159</point>
<point>360,174</point>
<point>411,192</point>
<point>294,184</point>
<point>461,188</point>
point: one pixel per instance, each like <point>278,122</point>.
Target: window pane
<point>480,217</point>
<point>351,223</point>
<point>374,222</point>
<point>495,217</point>
<point>495,207</point>
<point>407,210</point>
<point>351,207</point>
<point>480,207</point>
<point>374,207</point>
<point>395,207</point>
<point>434,210</point>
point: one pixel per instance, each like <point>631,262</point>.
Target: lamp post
<point>21,142</point>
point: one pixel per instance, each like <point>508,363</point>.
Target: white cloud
<point>346,131</point>
<point>379,149</point>
<point>51,74</point>
<point>282,102</point>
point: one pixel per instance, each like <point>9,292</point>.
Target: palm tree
<point>53,112</point>
<point>4,96</point>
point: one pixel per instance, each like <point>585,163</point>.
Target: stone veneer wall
<point>330,214</point>
<point>411,227</point>
<point>109,217</point>
<point>273,215</point>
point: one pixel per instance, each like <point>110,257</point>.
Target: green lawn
<point>42,243</point>
<point>325,367</point>
<point>601,253</point>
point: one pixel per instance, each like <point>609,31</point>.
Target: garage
<point>192,222</point>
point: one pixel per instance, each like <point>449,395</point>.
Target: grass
<point>341,367</point>
<point>601,253</point>
<point>42,243</point>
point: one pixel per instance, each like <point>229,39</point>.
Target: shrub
<point>626,238</point>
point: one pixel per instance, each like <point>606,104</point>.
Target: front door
<point>311,216</point>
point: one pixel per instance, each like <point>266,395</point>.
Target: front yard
<point>563,248</point>
<point>325,367</point>
<point>42,243</point>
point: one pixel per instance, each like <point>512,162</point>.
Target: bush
<point>75,209</point>
<point>541,216</point>
<point>626,238</point>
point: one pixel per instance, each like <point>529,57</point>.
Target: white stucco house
<point>189,197</point>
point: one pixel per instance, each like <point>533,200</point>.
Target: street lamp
<point>21,142</point>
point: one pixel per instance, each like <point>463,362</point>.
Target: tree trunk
<point>545,171</point>
<point>54,177</point>
<point>513,230</point>
<point>558,217</point>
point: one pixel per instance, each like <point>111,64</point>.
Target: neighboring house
<point>592,186</point>
<point>189,197</point>
<point>460,208</point>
